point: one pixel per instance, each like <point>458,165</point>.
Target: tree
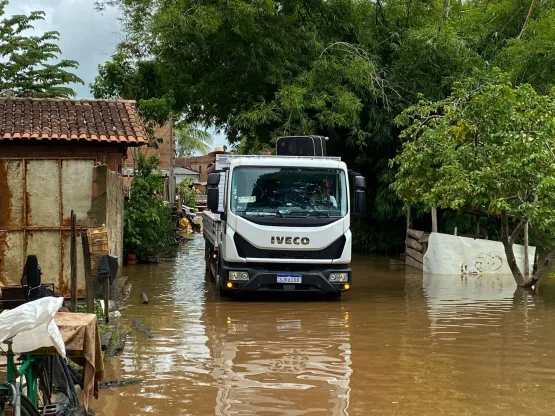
<point>489,146</point>
<point>340,68</point>
<point>191,139</point>
<point>26,66</point>
<point>147,221</point>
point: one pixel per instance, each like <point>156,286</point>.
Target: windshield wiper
<point>318,214</point>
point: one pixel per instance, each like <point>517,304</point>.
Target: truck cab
<point>281,223</point>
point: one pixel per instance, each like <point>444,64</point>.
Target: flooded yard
<point>398,344</point>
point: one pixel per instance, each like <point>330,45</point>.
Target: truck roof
<point>223,161</point>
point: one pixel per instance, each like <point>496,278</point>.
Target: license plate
<point>289,278</point>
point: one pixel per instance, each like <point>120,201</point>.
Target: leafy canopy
<point>488,146</point>
<point>27,66</point>
<point>340,68</point>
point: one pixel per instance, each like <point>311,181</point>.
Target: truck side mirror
<point>360,201</point>
<point>213,197</point>
<point>360,182</point>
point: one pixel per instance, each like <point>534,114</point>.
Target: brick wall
<point>161,150</point>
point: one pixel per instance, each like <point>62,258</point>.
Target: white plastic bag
<point>32,326</point>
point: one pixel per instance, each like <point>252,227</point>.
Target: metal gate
<point>36,199</point>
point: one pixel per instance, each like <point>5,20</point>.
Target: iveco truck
<point>282,223</point>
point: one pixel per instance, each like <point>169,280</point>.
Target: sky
<point>86,36</point>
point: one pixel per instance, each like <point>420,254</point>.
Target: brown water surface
<point>398,344</point>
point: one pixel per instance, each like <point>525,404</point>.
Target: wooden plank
<point>414,245</point>
<point>424,240</point>
<point>73,264</point>
<point>416,255</point>
<point>417,235</point>
<point>88,271</point>
<point>409,261</point>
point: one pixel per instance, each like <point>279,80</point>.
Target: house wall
<point>198,164</point>
<point>110,155</point>
<point>37,196</point>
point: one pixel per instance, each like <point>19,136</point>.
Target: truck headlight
<point>238,276</point>
<point>339,277</point>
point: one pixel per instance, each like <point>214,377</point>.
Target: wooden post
<point>88,271</point>
<point>73,264</point>
<point>526,259</point>
<point>434,220</point>
<point>106,289</point>
<point>408,227</point>
<point>477,227</point>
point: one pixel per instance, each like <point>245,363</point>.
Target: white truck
<point>281,223</point>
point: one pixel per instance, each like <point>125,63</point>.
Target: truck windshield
<point>289,192</point>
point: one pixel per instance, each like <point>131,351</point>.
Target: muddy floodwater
<point>398,344</point>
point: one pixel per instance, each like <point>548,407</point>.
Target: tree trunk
<point>434,220</point>
<point>508,242</point>
<point>508,245</point>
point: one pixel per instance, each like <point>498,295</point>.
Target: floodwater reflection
<point>399,344</point>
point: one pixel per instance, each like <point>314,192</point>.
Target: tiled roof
<point>101,121</point>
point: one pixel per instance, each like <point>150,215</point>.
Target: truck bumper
<point>263,280</point>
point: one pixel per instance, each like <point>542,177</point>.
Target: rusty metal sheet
<point>43,193</point>
<point>46,246</point>
<point>12,186</point>
<point>77,177</point>
<point>12,256</point>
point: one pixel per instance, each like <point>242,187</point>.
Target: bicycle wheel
<point>27,408</point>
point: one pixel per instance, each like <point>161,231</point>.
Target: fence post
<point>73,264</point>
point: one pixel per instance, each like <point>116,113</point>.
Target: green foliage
<point>341,68</point>
<point>191,139</point>
<point>27,68</point>
<point>147,220</point>
<point>187,192</point>
<point>488,146</point>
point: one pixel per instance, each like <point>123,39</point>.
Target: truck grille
<point>246,249</point>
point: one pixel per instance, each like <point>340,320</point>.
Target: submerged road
<point>398,344</point>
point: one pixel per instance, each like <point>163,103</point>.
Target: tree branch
<point>517,230</point>
<point>541,270</point>
<point>531,11</point>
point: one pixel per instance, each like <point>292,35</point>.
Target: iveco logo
<point>290,240</point>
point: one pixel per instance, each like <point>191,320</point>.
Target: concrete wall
<point>107,208</point>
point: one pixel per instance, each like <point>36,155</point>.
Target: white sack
<point>449,254</point>
<point>32,326</point>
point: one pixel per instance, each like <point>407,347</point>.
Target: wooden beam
<point>416,255</point>
<point>88,271</point>
<point>409,261</point>
<point>417,235</point>
<point>73,264</point>
<point>414,244</point>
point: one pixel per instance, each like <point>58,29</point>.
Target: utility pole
<point>171,187</point>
